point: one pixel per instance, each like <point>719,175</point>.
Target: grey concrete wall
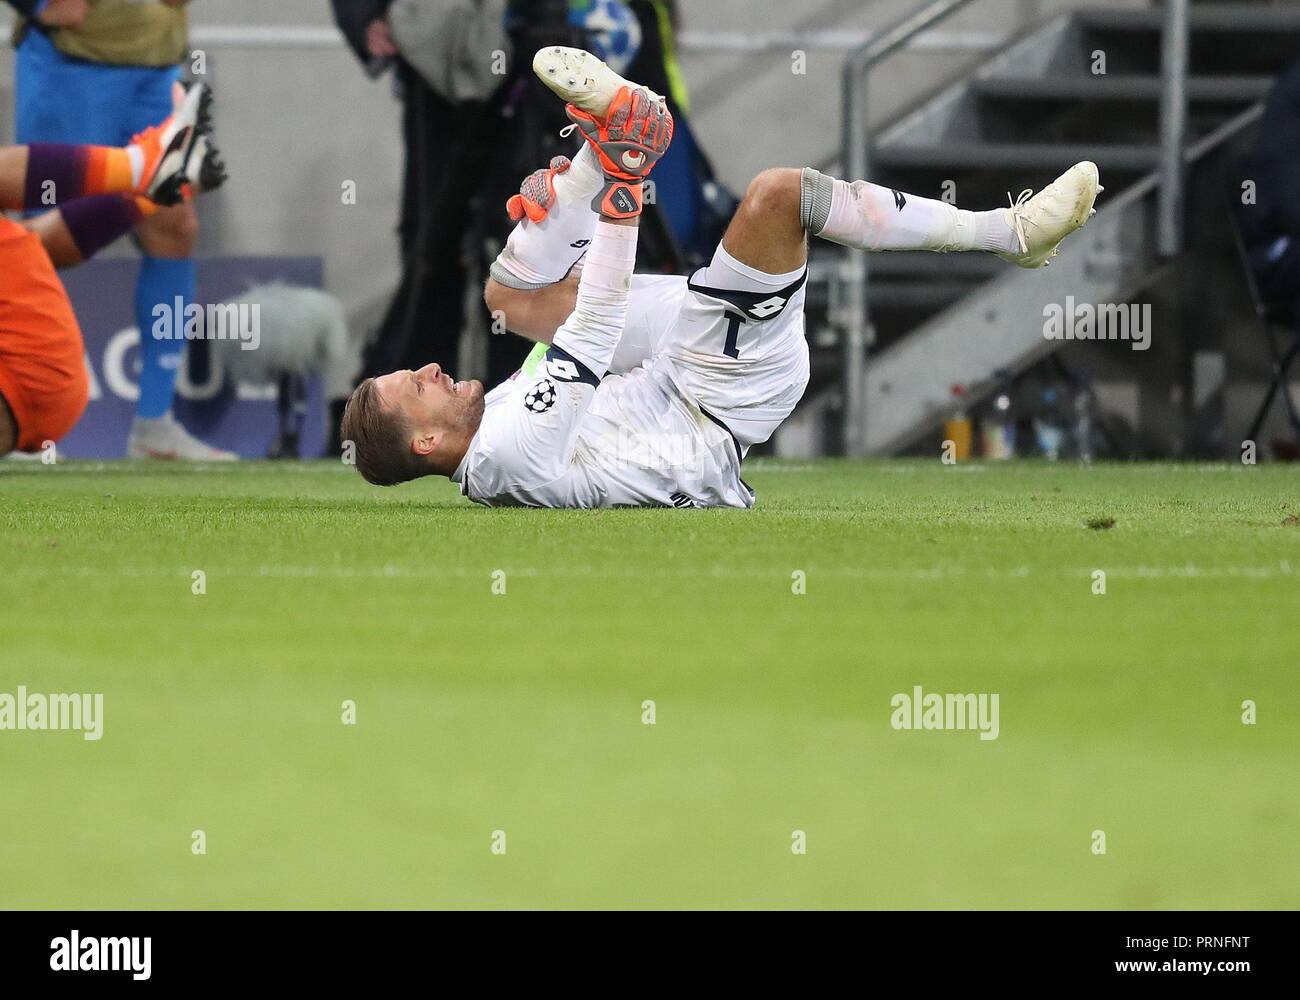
<point>296,122</point>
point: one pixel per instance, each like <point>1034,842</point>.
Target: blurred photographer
<point>442,54</point>
<point>475,122</point>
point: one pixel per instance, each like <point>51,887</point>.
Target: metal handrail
<point>698,42</point>
<point>1173,127</point>
<point>856,319</point>
<point>856,162</point>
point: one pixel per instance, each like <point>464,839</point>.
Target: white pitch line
<point>31,467</point>
<point>389,572</point>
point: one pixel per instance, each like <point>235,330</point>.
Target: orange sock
<point>108,170</point>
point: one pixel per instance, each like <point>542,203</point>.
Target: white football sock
<point>594,328</point>
<point>582,180</point>
<point>542,253</point>
<point>870,217</point>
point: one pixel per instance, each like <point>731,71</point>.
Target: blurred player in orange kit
<point>102,193</point>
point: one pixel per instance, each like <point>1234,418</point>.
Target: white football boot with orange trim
<point>177,158</point>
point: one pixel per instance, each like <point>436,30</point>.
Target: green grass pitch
<point>522,712</point>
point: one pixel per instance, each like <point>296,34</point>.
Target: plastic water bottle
<point>998,431</point>
<point>1084,402</point>
<point>1049,428</point>
<point>957,428</point>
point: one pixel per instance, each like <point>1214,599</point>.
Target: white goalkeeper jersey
<point>556,435</point>
<point>651,393</point>
<point>560,437</point>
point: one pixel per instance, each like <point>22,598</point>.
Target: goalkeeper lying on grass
<point>653,388</point>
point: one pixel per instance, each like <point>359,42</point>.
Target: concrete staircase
<point>1085,85</point>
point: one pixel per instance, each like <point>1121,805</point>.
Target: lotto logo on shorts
<point>768,307</point>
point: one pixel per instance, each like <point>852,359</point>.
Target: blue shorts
<point>61,99</point>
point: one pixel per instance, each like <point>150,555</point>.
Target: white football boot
<point>581,79</point>
<point>164,438</point>
<point>1040,221</point>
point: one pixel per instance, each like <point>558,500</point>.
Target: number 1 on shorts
<point>733,331</point>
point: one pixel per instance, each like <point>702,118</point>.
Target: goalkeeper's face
<point>429,399</point>
<point>412,423</point>
<point>431,405</point>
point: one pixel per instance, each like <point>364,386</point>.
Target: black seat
<point>1272,314</point>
